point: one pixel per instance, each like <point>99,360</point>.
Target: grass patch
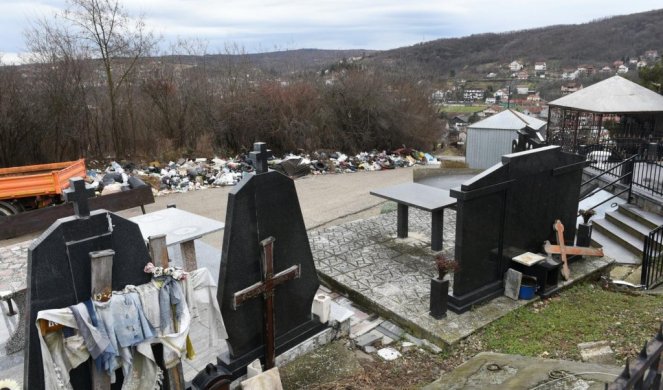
<point>463,109</point>
<point>388,207</point>
<point>553,327</point>
<point>452,164</point>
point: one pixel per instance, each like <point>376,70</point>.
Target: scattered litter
<point>389,354</point>
<point>200,173</point>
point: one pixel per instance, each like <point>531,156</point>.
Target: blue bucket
<point>527,291</point>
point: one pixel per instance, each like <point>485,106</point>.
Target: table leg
<point>188,249</point>
<point>436,230</point>
<point>402,221</point>
<point>16,341</point>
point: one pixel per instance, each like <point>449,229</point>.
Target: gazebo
<point>615,113</point>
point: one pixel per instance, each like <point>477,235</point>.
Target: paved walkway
<point>391,276</point>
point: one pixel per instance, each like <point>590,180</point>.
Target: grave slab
<point>489,370</point>
<point>365,261</point>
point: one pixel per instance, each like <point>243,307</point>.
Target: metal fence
<point>645,371</point>
<point>652,259</point>
<point>646,167</point>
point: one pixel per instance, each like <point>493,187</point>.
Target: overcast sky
<point>268,25</point>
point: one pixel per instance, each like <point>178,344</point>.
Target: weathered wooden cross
<point>559,228</point>
<point>259,157</point>
<point>78,193</point>
<point>266,288</point>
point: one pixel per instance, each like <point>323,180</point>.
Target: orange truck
<point>33,186</point>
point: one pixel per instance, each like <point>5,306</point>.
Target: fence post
<point>627,169</point>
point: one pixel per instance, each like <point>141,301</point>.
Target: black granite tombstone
<point>261,206</point>
<point>512,204</point>
<point>59,273</point>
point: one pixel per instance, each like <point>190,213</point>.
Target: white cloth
<point>204,297</point>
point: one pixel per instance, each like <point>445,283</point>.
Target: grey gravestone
<point>261,206</point>
<point>59,274</point>
<point>512,204</point>
<point>512,280</point>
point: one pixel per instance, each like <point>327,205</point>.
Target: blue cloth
<point>170,294</point>
<point>125,323</point>
<point>105,361</point>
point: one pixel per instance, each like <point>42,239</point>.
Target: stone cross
<point>259,156</point>
<point>78,193</point>
<point>266,288</point>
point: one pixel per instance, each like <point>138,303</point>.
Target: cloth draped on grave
<point>65,349</point>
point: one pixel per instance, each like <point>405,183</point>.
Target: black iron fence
<point>645,372</point>
<point>646,166</point>
<point>652,259</point>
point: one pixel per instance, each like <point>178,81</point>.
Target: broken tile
<point>389,354</point>
<point>597,352</point>
<point>369,338</point>
<point>363,327</point>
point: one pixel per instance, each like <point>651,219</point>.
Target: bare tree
<point>111,35</point>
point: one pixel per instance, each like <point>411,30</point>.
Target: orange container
<point>41,179</point>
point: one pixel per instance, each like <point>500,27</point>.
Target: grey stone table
<point>427,198</point>
<point>180,227</point>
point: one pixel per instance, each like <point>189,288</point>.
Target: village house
<point>651,55</point>
<point>522,89</point>
<point>473,94</point>
<point>533,96</point>
<point>522,75</point>
<point>501,94</point>
<point>641,64</point>
<point>617,64</point>
<point>540,69</point>
<point>515,66</point>
<point>622,69</point>
<point>437,96</point>
<point>606,69</point>
<point>568,88</point>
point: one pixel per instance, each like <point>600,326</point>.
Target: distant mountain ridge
<point>598,42</point>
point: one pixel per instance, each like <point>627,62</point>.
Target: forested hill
<point>599,42</point>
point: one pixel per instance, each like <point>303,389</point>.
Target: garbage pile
<point>200,173</point>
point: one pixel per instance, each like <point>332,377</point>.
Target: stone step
<point>618,235</point>
<point>632,225</point>
<point>649,219</point>
<point>614,250</point>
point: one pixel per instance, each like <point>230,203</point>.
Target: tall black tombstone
<point>261,206</point>
<point>511,205</point>
<point>59,273</point>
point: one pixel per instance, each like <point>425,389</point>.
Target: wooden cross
<point>266,288</point>
<point>78,193</point>
<point>259,156</point>
<point>559,227</point>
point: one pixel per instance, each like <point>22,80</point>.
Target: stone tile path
<point>365,260</point>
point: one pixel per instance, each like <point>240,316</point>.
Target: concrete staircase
<point>622,232</point>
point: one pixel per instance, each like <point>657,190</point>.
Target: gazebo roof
<point>509,120</point>
<point>613,95</point>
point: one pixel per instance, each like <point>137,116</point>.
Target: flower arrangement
<point>445,266</point>
<point>586,215</point>
<point>176,272</point>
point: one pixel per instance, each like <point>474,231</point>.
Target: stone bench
<point>427,198</point>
